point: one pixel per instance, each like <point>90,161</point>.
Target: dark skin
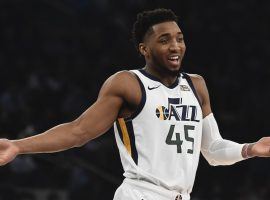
<point>160,43</point>
<point>163,48</point>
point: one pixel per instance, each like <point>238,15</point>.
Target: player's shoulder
<point>196,77</point>
<point>197,80</point>
<point>199,84</point>
<point>122,76</point>
<point>121,81</point>
<point>123,84</point>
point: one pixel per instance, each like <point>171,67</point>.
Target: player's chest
<point>173,106</point>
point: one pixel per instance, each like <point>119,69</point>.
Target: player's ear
<point>143,49</point>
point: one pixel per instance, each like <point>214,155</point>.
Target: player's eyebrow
<point>167,34</point>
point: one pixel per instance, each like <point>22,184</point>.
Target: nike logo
<point>152,88</point>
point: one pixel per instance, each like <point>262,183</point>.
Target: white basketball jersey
<point>160,143</point>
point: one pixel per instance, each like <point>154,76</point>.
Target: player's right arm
<point>215,149</point>
<point>219,151</point>
<point>95,121</point>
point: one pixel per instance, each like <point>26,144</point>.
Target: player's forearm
<point>217,150</point>
<point>223,152</point>
<point>59,138</point>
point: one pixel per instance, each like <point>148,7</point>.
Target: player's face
<point>166,47</point>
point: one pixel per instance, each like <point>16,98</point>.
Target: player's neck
<point>165,78</point>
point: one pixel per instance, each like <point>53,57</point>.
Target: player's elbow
<point>79,135</point>
<point>210,160</point>
<point>214,163</point>
<point>220,163</point>
<point>215,159</point>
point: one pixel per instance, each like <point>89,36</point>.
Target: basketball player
<point>162,120</point>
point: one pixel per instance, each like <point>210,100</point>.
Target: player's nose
<point>174,46</point>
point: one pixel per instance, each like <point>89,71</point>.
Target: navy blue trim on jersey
<point>142,102</point>
<point>187,77</point>
<point>119,130</point>
<point>131,135</point>
<point>157,79</point>
<point>134,152</point>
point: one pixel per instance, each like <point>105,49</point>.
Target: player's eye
<point>180,39</point>
<point>163,41</point>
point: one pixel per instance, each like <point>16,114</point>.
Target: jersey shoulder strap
<point>187,77</point>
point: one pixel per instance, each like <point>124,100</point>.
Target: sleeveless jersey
<point>160,143</point>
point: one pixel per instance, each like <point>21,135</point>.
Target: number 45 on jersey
<point>178,142</point>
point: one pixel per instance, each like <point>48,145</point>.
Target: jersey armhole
<point>142,102</point>
<point>187,77</point>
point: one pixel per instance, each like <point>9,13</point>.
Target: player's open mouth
<point>174,59</point>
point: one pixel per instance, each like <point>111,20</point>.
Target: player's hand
<point>261,148</point>
<point>8,151</point>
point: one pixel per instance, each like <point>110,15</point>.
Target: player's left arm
<point>215,149</point>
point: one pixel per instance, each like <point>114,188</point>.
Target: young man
<point>162,120</point>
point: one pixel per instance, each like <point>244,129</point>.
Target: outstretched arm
<point>92,123</point>
<point>214,148</point>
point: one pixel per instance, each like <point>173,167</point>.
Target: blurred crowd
<point>55,55</point>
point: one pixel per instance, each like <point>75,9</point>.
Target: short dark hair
<point>147,19</point>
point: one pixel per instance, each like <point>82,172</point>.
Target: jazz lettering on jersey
<point>177,111</point>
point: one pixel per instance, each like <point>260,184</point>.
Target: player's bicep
<point>100,116</point>
<point>97,119</point>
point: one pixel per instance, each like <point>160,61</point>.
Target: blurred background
<point>55,55</point>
